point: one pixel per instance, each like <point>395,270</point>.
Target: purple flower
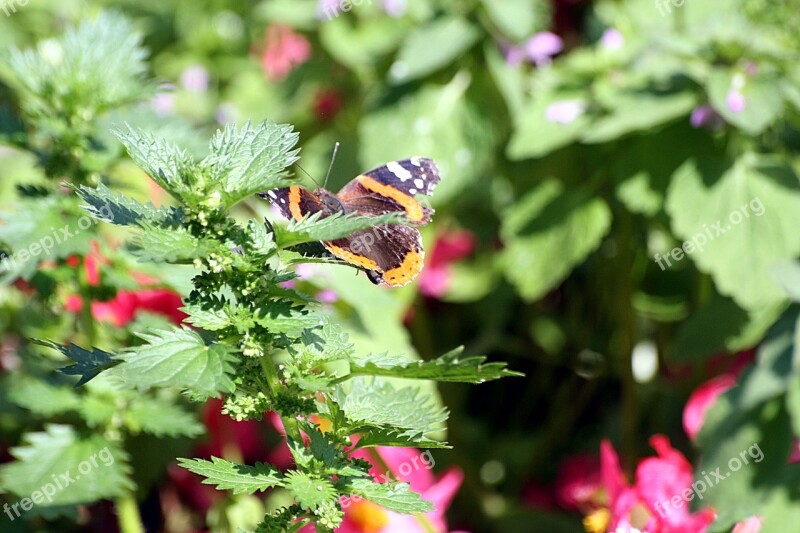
<point>612,39</point>
<point>542,47</point>
<point>735,100</point>
<point>705,115</point>
<point>395,8</point>
<point>565,111</point>
<point>195,79</point>
<point>515,55</point>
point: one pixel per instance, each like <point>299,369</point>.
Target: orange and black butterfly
<point>389,253</point>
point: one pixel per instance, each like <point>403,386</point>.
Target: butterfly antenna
<point>307,174</point>
<point>330,167</point>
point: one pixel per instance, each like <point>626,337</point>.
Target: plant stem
<point>273,382</point>
<point>128,517</point>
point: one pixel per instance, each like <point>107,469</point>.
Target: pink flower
<point>542,47</point>
<point>701,400</point>
<point>413,467</point>
<point>539,49</point>
<point>163,104</point>
<point>195,79</point>
<point>284,50</point>
<point>327,296</point>
<point>655,503</point>
<point>395,8</point>
<point>735,100</point>
<point>449,248</point>
<point>612,39</point>
<point>751,525</point>
<point>565,111</point>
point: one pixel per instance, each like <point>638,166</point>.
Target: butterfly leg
<point>374,276</point>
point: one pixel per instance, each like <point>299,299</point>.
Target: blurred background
<point>618,218</point>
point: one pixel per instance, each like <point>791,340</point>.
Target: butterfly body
<point>389,253</point>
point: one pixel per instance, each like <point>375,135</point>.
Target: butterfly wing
<point>391,187</point>
<point>390,253</point>
<point>293,202</point>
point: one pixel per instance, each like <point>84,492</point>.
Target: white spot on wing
<point>419,182</point>
<point>416,162</point>
<point>272,194</point>
<point>283,200</point>
<point>412,191</point>
<point>396,169</point>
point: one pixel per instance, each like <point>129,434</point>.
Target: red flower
<point>578,483</point>
<point>123,308</point>
<point>283,51</point>
<point>449,248</point>
<point>327,104</point>
<point>657,502</point>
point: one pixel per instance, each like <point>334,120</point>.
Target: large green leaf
<point>547,232</point>
<point>69,467</point>
<point>762,96</point>
<point>235,477</point>
<point>537,134</point>
<point>519,19</point>
<point>178,358</point>
<point>432,47</point>
<point>706,200</point>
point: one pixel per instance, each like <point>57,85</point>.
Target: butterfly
<point>390,253</point>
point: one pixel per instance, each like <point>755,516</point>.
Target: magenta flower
<point>163,102</point>
<point>612,39</point>
<point>649,505</point>
<point>565,111</point>
<point>701,400</point>
<point>450,247</point>
<point>327,296</point>
<point>195,79</point>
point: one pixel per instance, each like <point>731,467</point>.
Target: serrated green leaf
<point>161,418</point>
<point>91,68</point>
<point>208,319</point>
<point>234,477</point>
<point>41,397</point>
<point>549,231</point>
<point>167,164</point>
<point>170,245</point>
<point>377,402</point>
<point>87,363</point>
<point>432,47</point>
<point>287,321</point>
<point>243,162</point>
<point>315,227</point>
<point>393,496</point>
<point>450,367</point>
<point>103,204</point>
<point>309,492</point>
<point>377,436</point>
<point>177,358</point>
<point>74,468</point>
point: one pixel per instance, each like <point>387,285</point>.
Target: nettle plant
<point>264,346</point>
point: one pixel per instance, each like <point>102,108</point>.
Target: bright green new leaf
<point>393,496</point>
<point>432,47</point>
<point>108,206</point>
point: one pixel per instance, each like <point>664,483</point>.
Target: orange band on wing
<point>294,203</point>
<point>414,211</point>
<point>408,269</point>
<point>350,257</point>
